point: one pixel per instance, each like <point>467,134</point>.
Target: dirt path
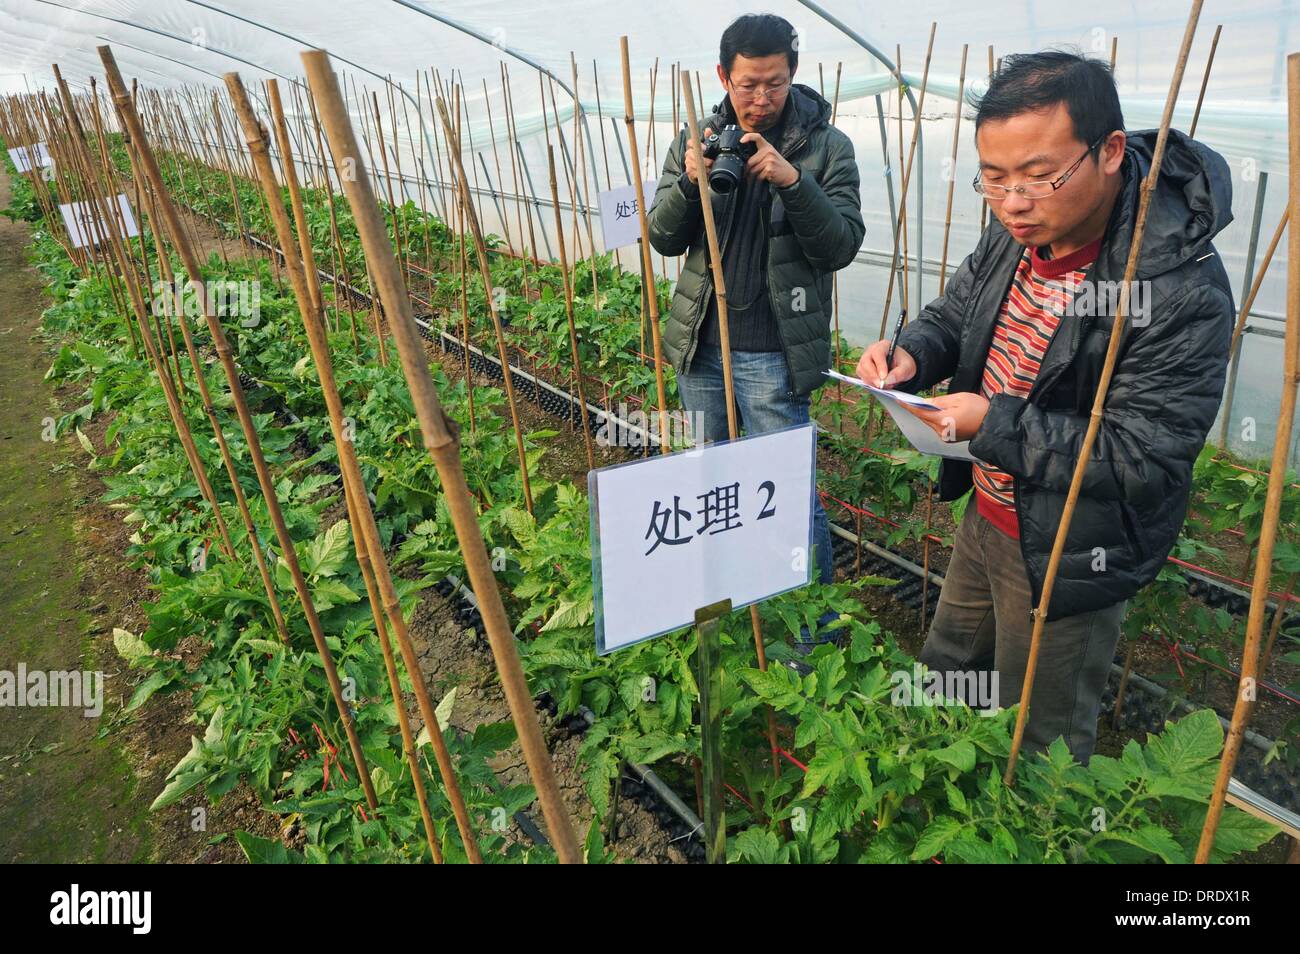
<point>65,794</point>
<point>75,788</point>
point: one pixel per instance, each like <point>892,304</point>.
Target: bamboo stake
<point>419,175</point>
<point>604,148</point>
<point>230,181</point>
<point>568,311</point>
<point>388,179</point>
<point>205,398</point>
<point>471,216</point>
<point>442,441</point>
<point>1099,403</point>
<point>517,153</point>
<point>647,264</point>
<point>401,186</point>
<point>222,347</point>
<point>363,516</point>
<point>462,259</point>
<point>336,238</point>
<point>984,206</point>
<point>496,159</point>
<point>835,277</point>
<point>140,311</point>
<point>900,229</point>
<point>307,254</point>
<point>531,250</point>
<point>437,149</point>
<point>581,161</point>
<point>1205,81</point>
<point>1118,714</point>
<point>1240,327</point>
<point>720,290</point>
<point>952,171</point>
<point>1278,615</point>
<point>1241,710</point>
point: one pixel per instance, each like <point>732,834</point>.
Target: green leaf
<point>1149,838</point>
<point>264,851</point>
<point>1187,743</point>
<point>758,846</point>
<point>960,755</point>
<point>826,768</point>
<point>325,555</point>
<point>941,831</point>
<point>130,646</point>
<point>329,593</point>
<point>96,358</point>
<point>443,712</point>
<point>146,689</point>
<point>569,615</point>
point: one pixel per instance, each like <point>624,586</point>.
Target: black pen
<point>893,342</point>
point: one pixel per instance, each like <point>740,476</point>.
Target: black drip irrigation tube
<point>1146,704</point>
<point>1272,786</point>
<point>648,789</point>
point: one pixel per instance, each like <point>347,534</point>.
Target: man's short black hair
<point>1026,82</point>
<point>758,34</point>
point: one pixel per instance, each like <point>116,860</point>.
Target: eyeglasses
<point>750,93</point>
<point>1031,190</point>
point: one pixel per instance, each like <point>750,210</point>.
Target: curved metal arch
<point>424,131</point>
<point>870,47</point>
<point>523,58</point>
<point>177,39</point>
<point>170,36</point>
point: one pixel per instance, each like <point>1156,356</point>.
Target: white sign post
<point>670,534</point>
<point>27,158</point>
<point>84,228</point>
<point>618,214</point>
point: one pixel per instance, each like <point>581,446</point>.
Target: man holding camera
<point>785,198</point>
<point>1021,333</point>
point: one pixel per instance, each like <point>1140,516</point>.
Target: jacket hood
<point>805,110</point>
<point>1192,203</point>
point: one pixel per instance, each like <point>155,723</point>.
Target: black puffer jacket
<point>814,228</point>
<point>1163,397</point>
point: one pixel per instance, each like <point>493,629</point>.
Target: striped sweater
<point>1030,314</point>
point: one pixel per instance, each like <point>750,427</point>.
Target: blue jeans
<point>765,401</point>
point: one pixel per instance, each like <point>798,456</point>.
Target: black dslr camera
<point>729,157</point>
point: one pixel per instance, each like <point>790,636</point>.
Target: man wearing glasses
<point>1021,334</point>
<point>793,220</point>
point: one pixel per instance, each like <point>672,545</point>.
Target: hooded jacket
<point>1163,396</point>
<point>814,228</point>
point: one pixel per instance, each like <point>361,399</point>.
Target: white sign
<point>84,227</point>
<point>618,215</point>
<point>670,534</point>
<point>27,158</point>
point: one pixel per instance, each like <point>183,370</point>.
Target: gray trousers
<point>983,623</point>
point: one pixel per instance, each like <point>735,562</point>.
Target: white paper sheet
<point>901,396</point>
<point>919,434</point>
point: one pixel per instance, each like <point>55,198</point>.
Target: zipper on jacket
<point>701,310</point>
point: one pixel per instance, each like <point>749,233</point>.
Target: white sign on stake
<point>84,227</point>
<point>618,216</point>
<point>670,534</point>
<point>27,158</point>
